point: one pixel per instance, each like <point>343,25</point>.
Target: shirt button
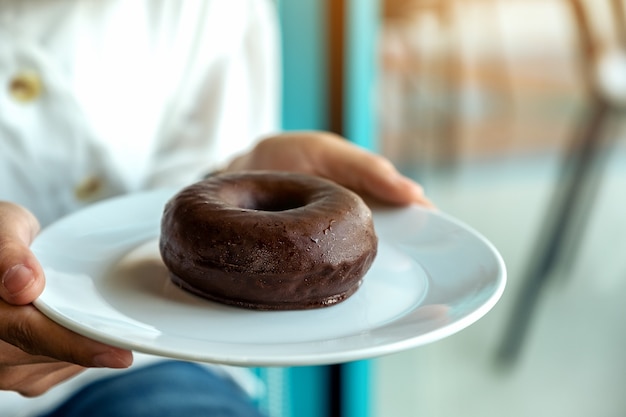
<point>25,86</point>
<point>89,188</point>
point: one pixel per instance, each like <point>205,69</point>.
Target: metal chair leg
<point>569,197</point>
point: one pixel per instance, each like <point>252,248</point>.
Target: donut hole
<point>266,199</point>
<point>267,202</point>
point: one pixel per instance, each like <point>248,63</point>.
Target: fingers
<point>21,276</point>
<point>32,375</point>
<point>33,333</point>
<point>40,378</point>
<point>331,156</point>
<point>31,380</point>
<point>368,174</point>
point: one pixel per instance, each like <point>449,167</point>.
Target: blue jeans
<point>166,389</point>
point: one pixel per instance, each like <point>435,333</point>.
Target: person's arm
<point>36,353</point>
<point>330,156</point>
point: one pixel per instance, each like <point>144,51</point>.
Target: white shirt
<point>106,97</point>
<point>136,94</point>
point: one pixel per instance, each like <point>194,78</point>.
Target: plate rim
<point>295,359</point>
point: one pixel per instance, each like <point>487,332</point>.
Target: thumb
<point>21,275</point>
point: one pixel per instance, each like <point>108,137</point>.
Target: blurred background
<point>511,114</point>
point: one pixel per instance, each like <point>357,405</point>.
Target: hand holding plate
<point>36,353</point>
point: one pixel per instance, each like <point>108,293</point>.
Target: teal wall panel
<point>360,66</point>
<point>303,390</point>
<point>305,106</point>
<point>303,31</point>
<point>362,30</point>
<point>309,394</point>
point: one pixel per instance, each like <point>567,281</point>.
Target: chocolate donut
<point>268,240</point>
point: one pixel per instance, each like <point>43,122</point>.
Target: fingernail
<point>428,203</point>
<point>18,279</point>
<point>417,191</point>
<point>111,360</point>
<point>409,184</point>
<point>404,180</point>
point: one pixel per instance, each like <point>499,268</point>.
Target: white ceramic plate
<point>432,277</point>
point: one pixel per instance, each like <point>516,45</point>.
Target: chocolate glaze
<point>268,240</point>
